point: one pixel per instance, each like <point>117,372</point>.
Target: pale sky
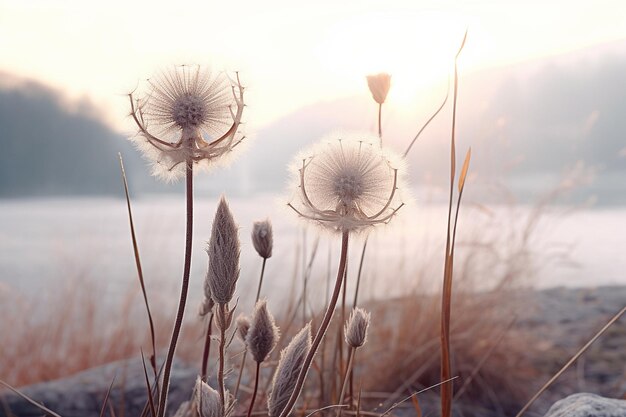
<point>289,54</point>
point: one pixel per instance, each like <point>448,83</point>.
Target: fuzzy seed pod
<point>356,328</point>
<point>263,334</point>
<point>206,400</point>
<point>223,250</point>
<point>262,238</point>
<point>243,325</point>
<point>287,371</point>
<point>205,307</point>
<point>379,85</point>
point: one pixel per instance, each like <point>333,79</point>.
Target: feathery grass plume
<point>263,334</point>
<point>206,400</point>
<point>347,184</point>
<point>262,238</point>
<point>187,114</point>
<point>223,250</point>
<point>243,326</point>
<point>287,371</point>
<point>356,327</point>
<point>379,85</point>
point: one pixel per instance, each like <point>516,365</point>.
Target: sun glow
<point>417,49</point>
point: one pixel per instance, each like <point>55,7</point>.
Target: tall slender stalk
<point>183,292</point>
<point>330,311</point>
<point>258,291</point>
<point>351,354</point>
<point>140,271</point>
<point>245,352</point>
<point>380,128</point>
<point>446,295</point>
<point>256,387</point>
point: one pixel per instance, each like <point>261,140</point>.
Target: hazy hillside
<point>528,124</point>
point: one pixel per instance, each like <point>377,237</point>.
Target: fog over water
<point>48,243</point>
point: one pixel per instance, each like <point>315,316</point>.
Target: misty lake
<point>48,243</point>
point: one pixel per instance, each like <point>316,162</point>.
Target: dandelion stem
<point>380,126</point>
<point>183,292</point>
<point>322,329</point>
<point>351,355</point>
<point>245,353</point>
<point>256,387</point>
<point>258,291</point>
<point>207,348</point>
<point>358,277</point>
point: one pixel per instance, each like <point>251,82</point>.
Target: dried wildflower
<point>347,185</point>
<point>356,328</point>
<point>223,250</point>
<point>243,326</point>
<point>263,334</point>
<point>262,238</point>
<point>206,400</point>
<point>379,85</point>
<point>287,371</point>
<point>187,116</point>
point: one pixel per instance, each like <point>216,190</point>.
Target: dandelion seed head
<point>187,115</point>
<point>347,182</point>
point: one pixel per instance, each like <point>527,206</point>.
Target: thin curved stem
<point>183,292</point>
<point>330,311</point>
<point>207,348</point>
<point>258,291</point>
<point>380,126</point>
<point>245,353</point>
<point>358,277</point>
<point>256,387</point>
<point>346,377</point>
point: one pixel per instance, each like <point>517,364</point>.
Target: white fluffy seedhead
<point>262,238</point>
<point>356,328</point>
<point>206,400</point>
<point>223,250</point>
<point>263,334</point>
<point>347,183</point>
<point>287,371</point>
<point>187,115</point>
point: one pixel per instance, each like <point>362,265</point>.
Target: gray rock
<point>587,405</point>
<point>82,394</point>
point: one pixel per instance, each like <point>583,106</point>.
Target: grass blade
<point>139,269</point>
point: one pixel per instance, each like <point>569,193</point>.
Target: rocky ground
<point>561,319</point>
